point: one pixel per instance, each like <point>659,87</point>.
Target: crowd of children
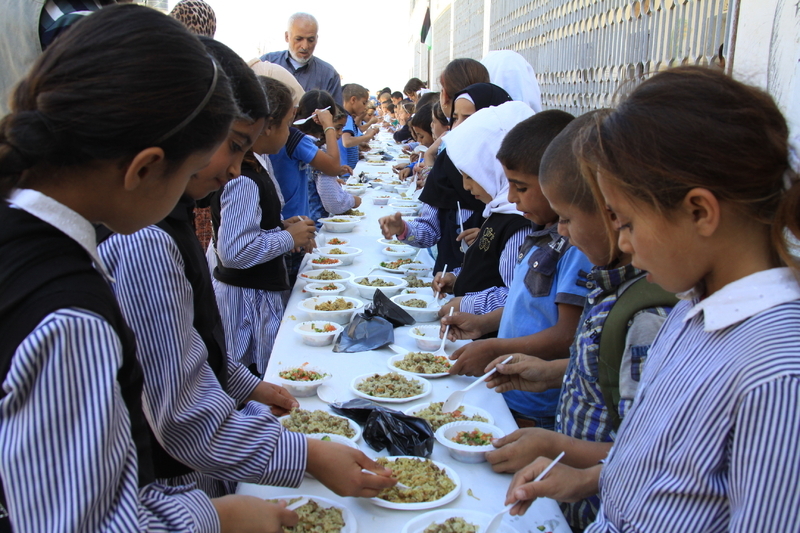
<point>132,357</point>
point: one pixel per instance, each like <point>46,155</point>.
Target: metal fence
<point>584,51</point>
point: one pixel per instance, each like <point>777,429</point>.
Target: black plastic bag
<point>374,327</point>
<point>398,432</point>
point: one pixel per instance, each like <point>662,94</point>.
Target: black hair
<point>427,98</point>
<point>279,98</point>
<point>247,91</point>
<point>310,102</point>
<point>90,97</point>
<point>350,90</point>
<point>561,168</point>
<point>413,85</point>
<point>340,113</point>
<point>422,118</point>
<point>523,147</point>
<point>386,90</point>
<point>397,94</point>
<point>438,114</point>
<point>390,108</point>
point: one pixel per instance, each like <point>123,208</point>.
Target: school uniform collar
<point>63,218</point>
<point>744,298</point>
<point>602,281</point>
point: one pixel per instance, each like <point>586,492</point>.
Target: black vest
<point>269,276</point>
<point>481,268</point>
<point>43,270</point>
<point>449,250</point>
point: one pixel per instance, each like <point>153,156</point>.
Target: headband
<point>198,109</point>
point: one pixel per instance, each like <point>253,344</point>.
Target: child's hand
<point>248,514</point>
<point>357,200</point>
<point>563,483</point>
<point>403,174</point>
<point>463,326</point>
<point>279,400</point>
<point>520,448</point>
<point>471,360</point>
<point>392,225</point>
<point>338,467</point>
<point>468,235</point>
<point>302,232</point>
<point>526,373</point>
<point>323,118</point>
<point>443,285</point>
<point>345,169</point>
<point>454,304</point>
<point>400,166</point>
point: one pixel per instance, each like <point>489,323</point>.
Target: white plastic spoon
<point>399,485</point>
<point>457,397</point>
<point>436,296</point>
<point>441,351</point>
<point>298,504</point>
<point>464,245</point>
<point>498,518</point>
<point>312,115</point>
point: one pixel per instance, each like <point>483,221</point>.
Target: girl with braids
<point>76,448</point>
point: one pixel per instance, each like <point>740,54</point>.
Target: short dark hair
<point>353,89</point>
<point>279,97</point>
<point>413,85</point>
<point>523,147</point>
<point>561,168</point>
<point>390,108</point>
<point>422,118</point>
<point>387,94</point>
<point>397,94</point>
<point>427,98</point>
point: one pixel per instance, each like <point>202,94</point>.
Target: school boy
<point>355,103</point>
<point>590,407</point>
<point>544,302</point>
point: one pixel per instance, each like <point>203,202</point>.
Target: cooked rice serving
<point>452,525</point>
<point>391,385</point>
<point>377,282</point>
<point>433,414</point>
<point>423,363</point>
<point>415,302</point>
<point>339,304</point>
<point>326,275</point>
<point>337,251</point>
<point>429,482</point>
<point>415,283</point>
<point>313,518</point>
<point>309,422</point>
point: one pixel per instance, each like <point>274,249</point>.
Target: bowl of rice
<point>406,207</point>
<point>320,515</point>
<point>399,251</point>
<point>345,254</point>
<point>319,421</point>
<point>427,337</point>
<point>325,276</point>
<point>392,387</point>
<point>325,289</point>
<point>321,263</point>
<point>356,190</point>
<point>318,333</point>
<point>404,211</point>
<point>381,200</point>
<point>423,364</point>
<point>301,381</point>
<point>421,307</point>
<point>432,483</point>
<point>417,269</point>
<point>432,412</point>
<point>468,442</point>
<point>454,521</point>
<point>366,285</point>
<point>338,309</point>
<point>340,223</point>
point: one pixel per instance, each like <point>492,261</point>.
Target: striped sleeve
<point>241,382</point>
<point>241,243</point>
<point>424,231</point>
<point>335,199</point>
<point>193,418</point>
<point>764,492</point>
<point>486,301</point>
<point>67,458</point>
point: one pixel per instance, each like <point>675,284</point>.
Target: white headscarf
<point>510,71</point>
<point>473,145</point>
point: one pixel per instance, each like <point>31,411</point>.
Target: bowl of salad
<point>468,441</point>
<point>318,332</point>
<point>325,289</point>
<point>322,262</point>
<point>345,254</point>
<point>302,381</point>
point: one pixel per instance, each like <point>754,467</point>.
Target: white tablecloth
<point>487,488</point>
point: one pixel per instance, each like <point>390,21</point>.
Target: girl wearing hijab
<point>444,192</point>
<point>482,284</point>
<point>513,73</point>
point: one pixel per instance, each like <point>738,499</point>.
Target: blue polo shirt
<point>546,274</point>
<point>349,156</point>
<point>291,172</point>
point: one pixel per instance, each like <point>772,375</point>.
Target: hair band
<point>198,109</point>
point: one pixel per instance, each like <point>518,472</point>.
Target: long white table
<point>483,490</point>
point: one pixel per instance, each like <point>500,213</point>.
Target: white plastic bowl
<point>426,388</point>
<point>315,289</point>
<point>302,389</point>
<point>464,452</point>
<point>346,259</point>
<point>316,266</point>
<point>391,242</point>
<point>309,276</point>
<point>430,341</point>
<point>421,270</point>
<point>380,201</point>
<point>313,338</point>
<point>340,317</point>
<point>428,314</point>
<point>333,437</point>
<point>366,291</point>
<point>406,207</point>
<point>404,211</point>
<point>421,290</point>
<point>389,186</point>
<point>340,227</point>
<point>356,190</point>
<point>399,251</point>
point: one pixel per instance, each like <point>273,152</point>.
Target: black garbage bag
<point>384,428</point>
<point>374,327</point>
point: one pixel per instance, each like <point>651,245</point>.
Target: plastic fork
<point>457,397</point>
<point>464,245</point>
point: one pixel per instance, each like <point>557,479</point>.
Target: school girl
<point>713,439</point>
<point>250,240</point>
<point>481,285</point>
<point>75,445</point>
<point>192,390</point>
<point>334,199</point>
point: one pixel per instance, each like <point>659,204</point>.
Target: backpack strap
<point>632,298</point>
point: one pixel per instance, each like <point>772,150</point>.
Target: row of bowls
<point>428,314</point>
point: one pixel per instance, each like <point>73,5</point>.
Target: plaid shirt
<point>58,15</point>
<point>582,413</point>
